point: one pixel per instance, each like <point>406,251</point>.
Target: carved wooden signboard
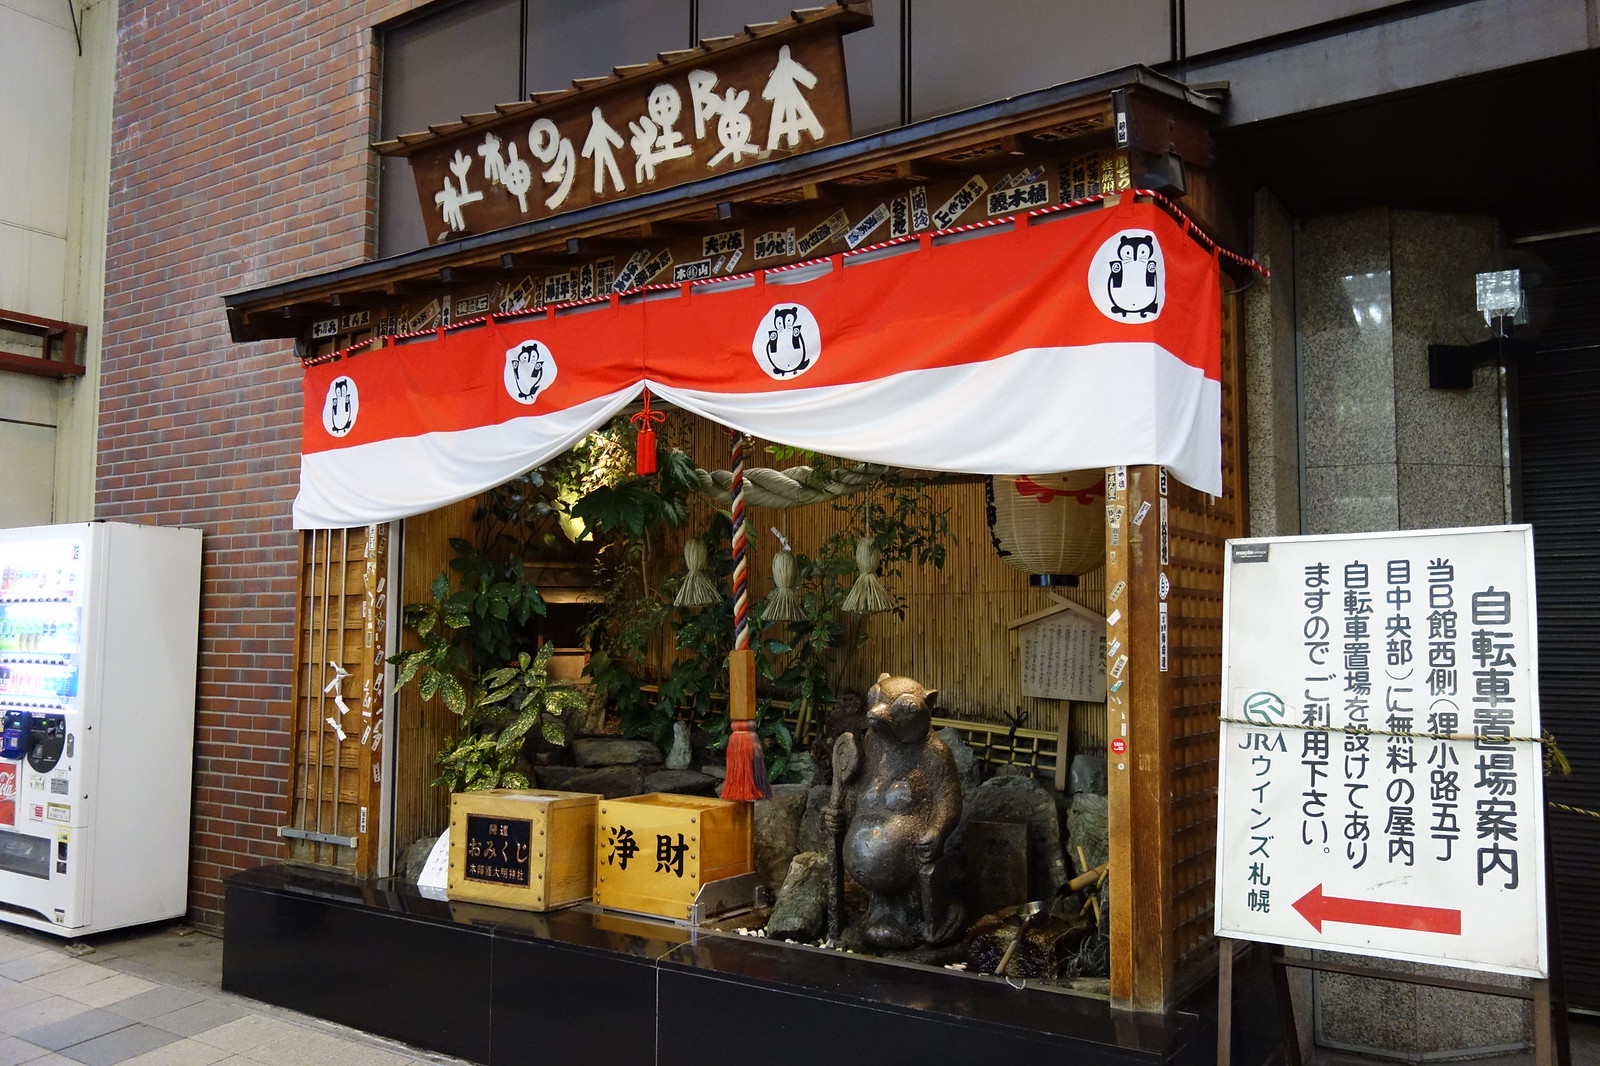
<point>772,91</point>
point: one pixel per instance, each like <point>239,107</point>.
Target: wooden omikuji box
<point>653,853</point>
<point>524,848</point>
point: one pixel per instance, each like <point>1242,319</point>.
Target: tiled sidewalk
<point>151,997</point>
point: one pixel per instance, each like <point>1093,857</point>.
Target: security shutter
<point>1558,436</point>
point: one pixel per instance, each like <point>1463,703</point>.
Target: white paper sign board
<point>434,880</point>
<point>1394,843</point>
<point>1064,658</point>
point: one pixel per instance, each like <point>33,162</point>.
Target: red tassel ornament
<point>747,766</point>
<point>644,452</point>
<point>747,763</point>
<point>645,457</point>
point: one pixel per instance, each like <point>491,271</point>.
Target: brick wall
<point>239,158</point>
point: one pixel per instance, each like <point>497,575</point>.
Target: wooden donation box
<point>654,853</point>
<point>524,848</point>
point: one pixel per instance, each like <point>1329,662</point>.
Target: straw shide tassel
<point>697,589</point>
<point>867,595</point>
<point>783,604</point>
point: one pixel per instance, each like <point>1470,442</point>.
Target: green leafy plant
<point>626,516</point>
<point>796,663</point>
<point>513,703</point>
<point>443,665</point>
<point>484,622</point>
<point>471,634</point>
<point>908,528</point>
<point>632,506</point>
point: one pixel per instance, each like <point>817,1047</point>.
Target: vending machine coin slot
<point>47,738</point>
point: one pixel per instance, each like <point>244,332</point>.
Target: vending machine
<point>99,631</point>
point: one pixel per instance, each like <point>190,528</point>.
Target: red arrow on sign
<point>1316,908</point>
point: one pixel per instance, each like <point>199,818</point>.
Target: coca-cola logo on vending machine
<point>8,792</point>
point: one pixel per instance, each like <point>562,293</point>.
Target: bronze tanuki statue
<point>896,799</point>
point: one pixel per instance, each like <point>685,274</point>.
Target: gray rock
<point>686,782</point>
<point>1024,800</point>
<point>997,866</point>
<point>1088,773</point>
<point>414,858</point>
<point>1086,828</point>
<point>614,751</point>
<point>801,910</point>
<point>557,777</point>
<point>716,770</point>
<point>812,836</point>
<point>612,782</point>
<point>681,752</point>
<point>775,825</point>
<point>967,767</point>
<point>802,769</point>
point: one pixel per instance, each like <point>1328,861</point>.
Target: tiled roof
<point>855,13</point>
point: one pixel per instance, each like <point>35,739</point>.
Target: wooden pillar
<point>1140,757</point>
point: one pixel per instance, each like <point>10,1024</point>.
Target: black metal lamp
<point>1512,300</point>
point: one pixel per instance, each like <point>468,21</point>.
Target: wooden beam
<point>588,247</point>
<point>468,275</point>
<point>366,298</point>
<point>674,228</point>
<point>535,261</point>
<point>1139,815</point>
<point>415,286</point>
<point>728,211</point>
<point>926,168</point>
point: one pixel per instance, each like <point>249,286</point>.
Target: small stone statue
<point>903,799</point>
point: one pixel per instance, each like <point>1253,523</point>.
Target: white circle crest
<point>1128,277</point>
<point>530,369</point>
<point>787,341</point>
<point>341,406</point>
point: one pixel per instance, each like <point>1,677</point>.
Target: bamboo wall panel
<point>954,635</point>
<point>342,627</point>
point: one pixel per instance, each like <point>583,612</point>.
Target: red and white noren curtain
<point>1064,343</point>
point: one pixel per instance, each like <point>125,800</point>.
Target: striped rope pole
<point>741,570</point>
<point>747,763</point>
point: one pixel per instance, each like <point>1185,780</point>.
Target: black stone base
<point>579,986</point>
